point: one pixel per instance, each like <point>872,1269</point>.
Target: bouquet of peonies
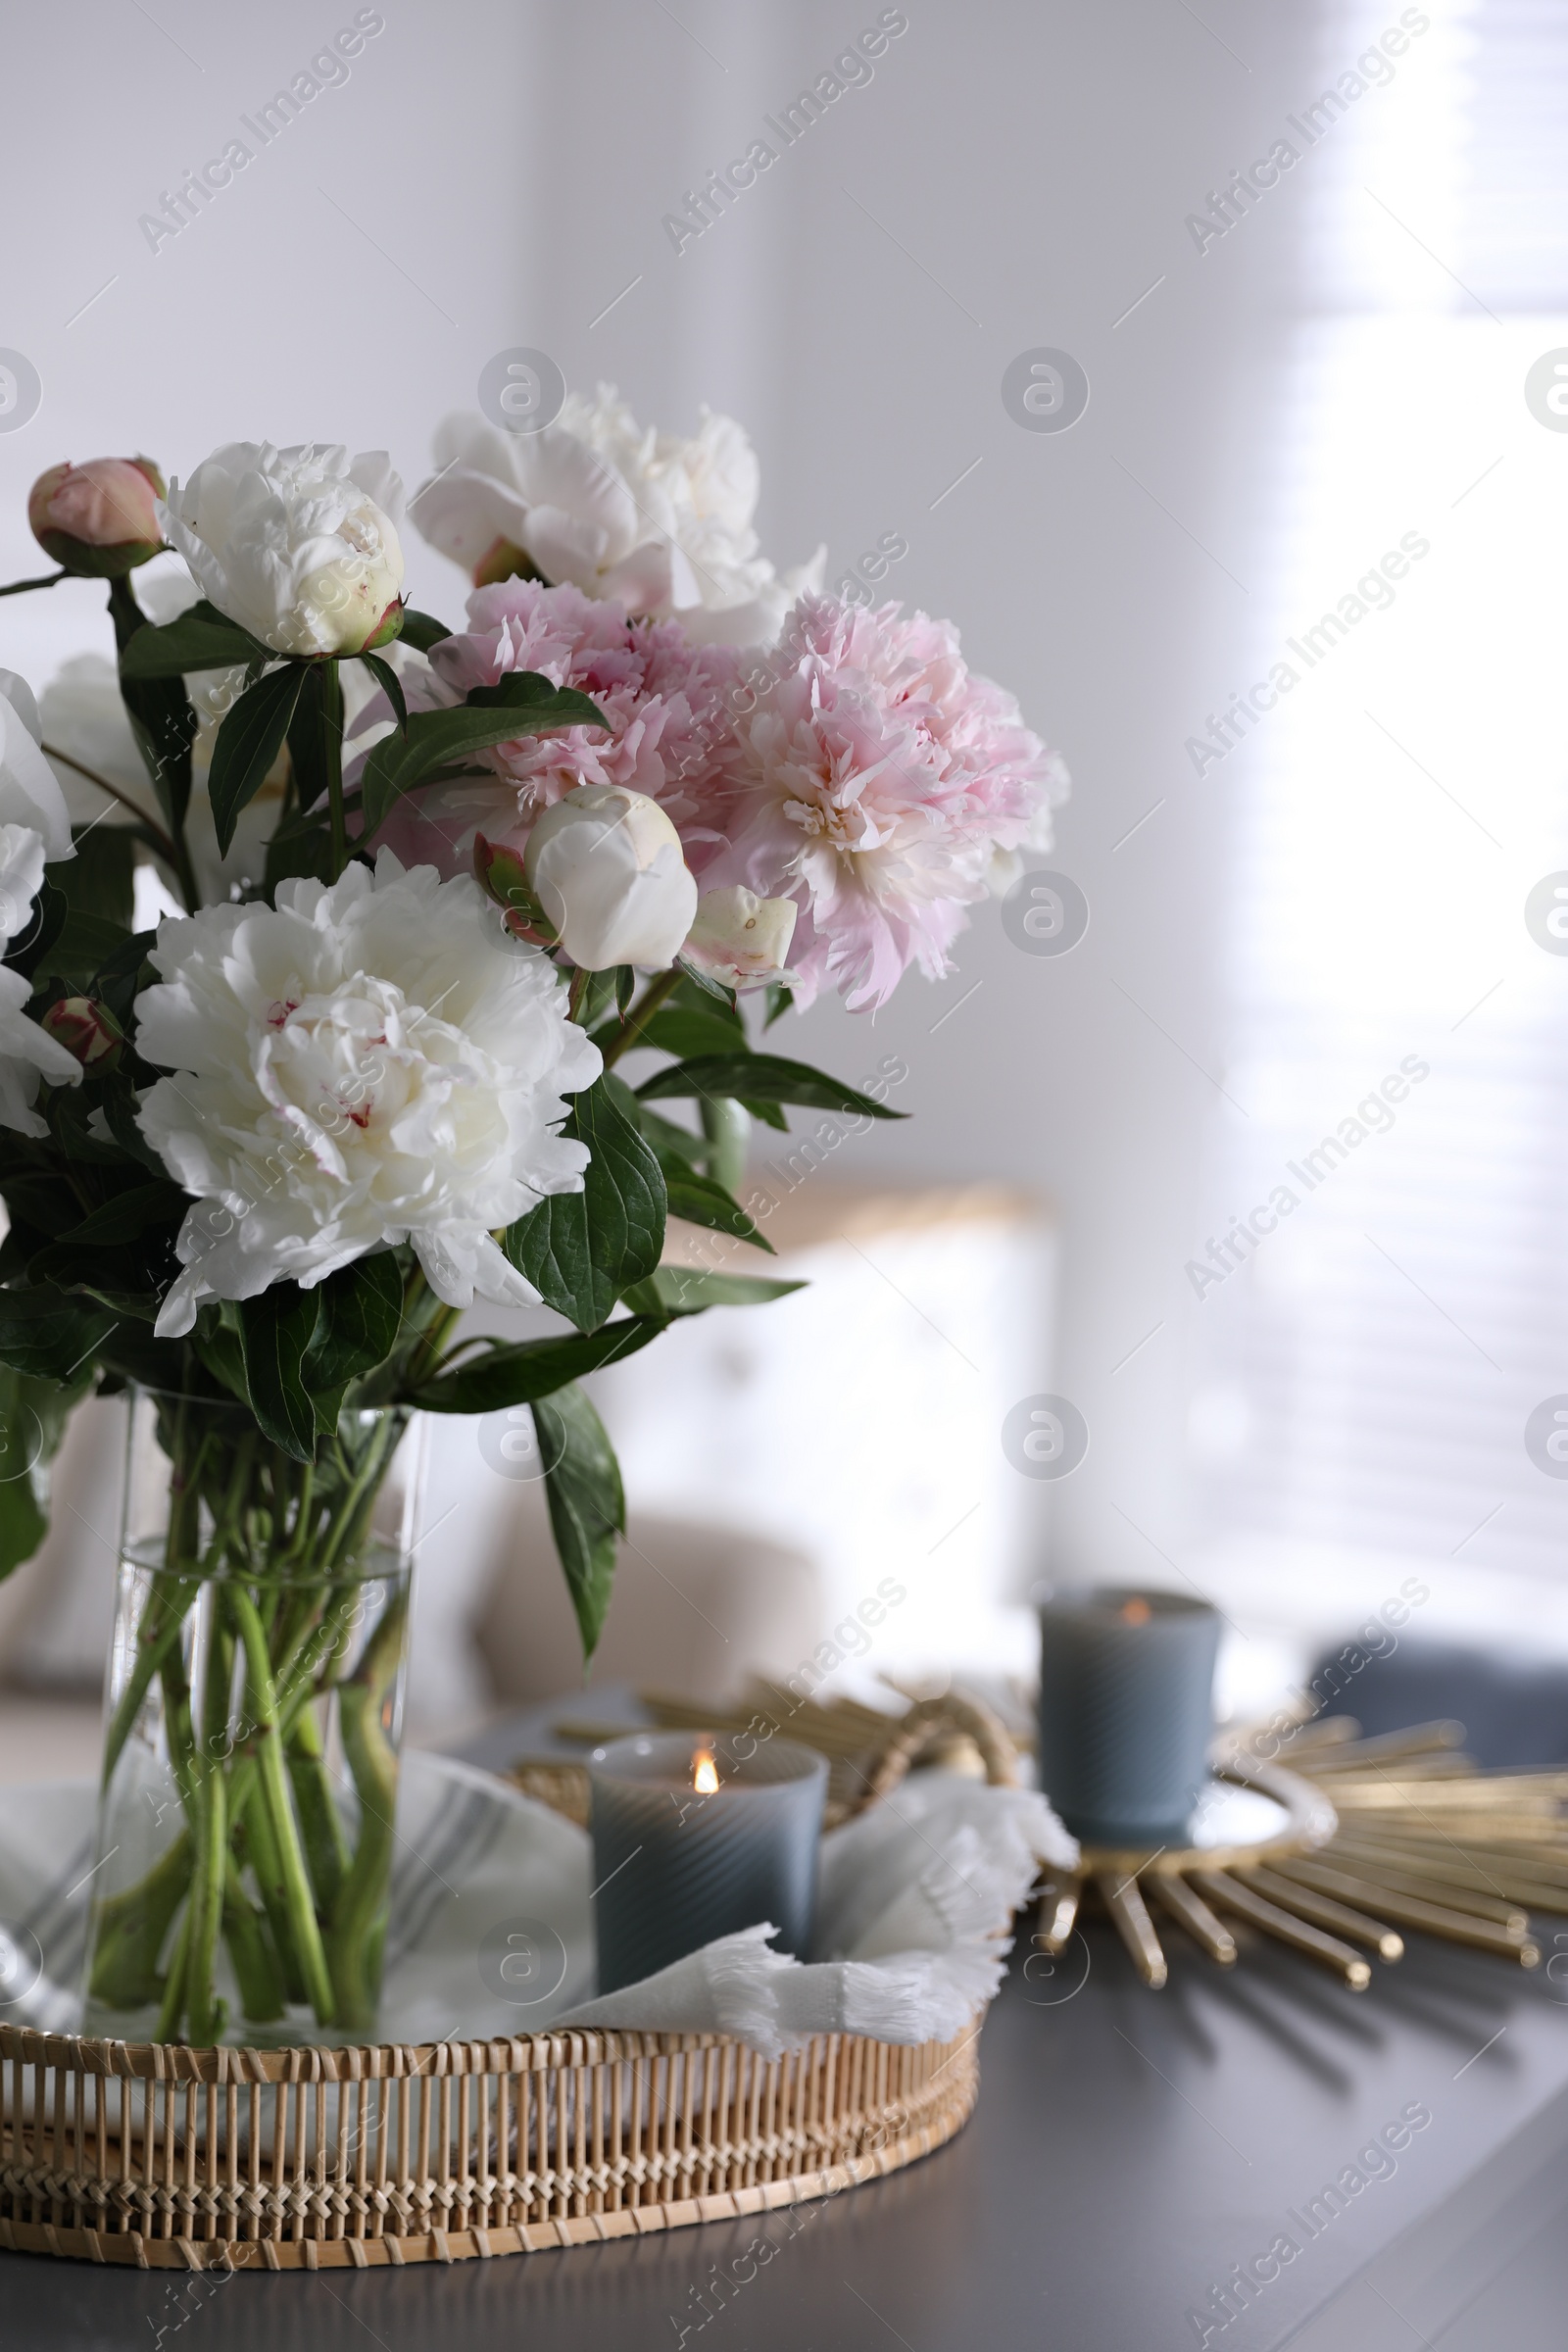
<point>258,1154</point>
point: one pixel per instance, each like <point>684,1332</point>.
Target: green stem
<point>156,1637</point>
<point>261,1988</point>
<point>204,1915</point>
<point>332,758</point>
<point>641,1013</point>
<point>203,2007</point>
<point>48,579</point>
<point>245,1803</point>
<point>128,1931</point>
<point>173,2001</point>
<point>325,1847</point>
<point>359,1923</point>
<point>727,1125</point>
<point>173,793</point>
<point>303,1929</point>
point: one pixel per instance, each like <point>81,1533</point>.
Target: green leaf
<point>685,1291</point>
<point>625,987</point>
<point>299,850</point>
<point>420,631</point>
<point>522,1373</point>
<point>117,1103</point>
<point>778,998</point>
<point>248,742</point>
<point>524,703</point>
<point>359,1318</point>
<point>695,981</point>
<point>138,1226</point>
<point>599,994</point>
<point>701,1200</point>
<point>391,685</point>
<point>222,1353</point>
<point>275,1329</point>
<point>44,1333</point>
<point>127,1215</point>
<point>98,879</point>
<point>756,1078</point>
<point>769,1113</point>
<point>34,1415</point>
<point>41,1202</point>
<point>201,639</point>
<point>83,943</point>
<point>587,1503</point>
<point>158,709</point>
<point>689,1033</point>
<point>69,1109</point>
<point>672,1143</point>
<point>315,732</point>
<point>580,1249</point>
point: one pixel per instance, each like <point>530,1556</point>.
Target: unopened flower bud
<point>606,867</point>
<point>99,519</point>
<point>86,1029</point>
<point>503,877</point>
<point>740,939</point>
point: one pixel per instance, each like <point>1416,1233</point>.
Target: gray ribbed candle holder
<point>1126,1711</point>
<point>674,1869</point>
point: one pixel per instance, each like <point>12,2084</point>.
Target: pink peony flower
<point>881,781</point>
<point>667,699</point>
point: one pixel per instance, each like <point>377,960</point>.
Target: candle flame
<point>1135,1612</point>
<point>704,1772</point>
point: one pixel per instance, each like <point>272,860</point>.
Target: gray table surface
<point>1129,2149</point>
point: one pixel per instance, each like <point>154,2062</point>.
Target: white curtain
<point>1395,1304</point>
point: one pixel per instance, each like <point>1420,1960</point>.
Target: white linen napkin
<point>915,1902</point>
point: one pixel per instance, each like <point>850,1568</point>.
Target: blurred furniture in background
<point>697,1609</point>
<point>1514,1709</point>
<point>860,1419</point>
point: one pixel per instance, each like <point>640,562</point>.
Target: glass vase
<point>254,1718</point>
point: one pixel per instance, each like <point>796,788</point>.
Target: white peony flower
<point>605,866</point>
<point>29,794</point>
<point>740,939</point>
<point>26,1054</point>
<point>659,524</point>
<point>297,545</point>
<point>369,1063</point>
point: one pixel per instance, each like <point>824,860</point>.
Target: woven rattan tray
<point>164,2157</point>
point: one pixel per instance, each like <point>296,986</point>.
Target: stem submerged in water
<point>252,1657</point>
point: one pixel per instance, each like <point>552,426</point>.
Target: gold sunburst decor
<point>1337,1853</point>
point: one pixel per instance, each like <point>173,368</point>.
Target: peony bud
<point>503,877</point>
<point>740,939</point>
<point>99,519</point>
<point>86,1029</point>
<point>606,867</point>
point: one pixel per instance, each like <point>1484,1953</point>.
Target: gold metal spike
<point>1194,1914</point>
<point>1322,1911</point>
<point>1130,1912</point>
<point>1234,1896</point>
<point>1058,1913</point>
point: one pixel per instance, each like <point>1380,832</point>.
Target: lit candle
<point>693,1841</point>
<point>1126,1712</point>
